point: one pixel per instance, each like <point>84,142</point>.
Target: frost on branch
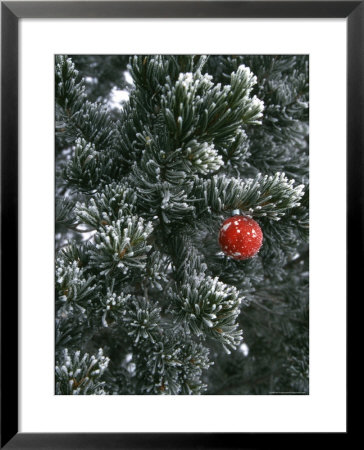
<point>74,288</point>
<point>172,368</point>
<point>113,203</point>
<point>142,320</point>
<point>264,196</point>
<point>80,118</point>
<point>82,170</point>
<point>80,374</point>
<point>121,246</point>
<point>205,306</point>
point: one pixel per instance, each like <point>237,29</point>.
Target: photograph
<point>181,207</point>
<point>181,224</point>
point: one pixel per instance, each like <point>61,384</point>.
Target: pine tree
<point>146,300</point>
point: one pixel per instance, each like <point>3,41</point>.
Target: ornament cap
<point>235,212</point>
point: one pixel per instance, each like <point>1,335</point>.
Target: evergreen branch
<point>264,196</point>
<point>80,118</point>
<point>158,270</point>
<point>82,171</point>
<point>114,202</point>
<point>80,375</point>
<point>142,320</point>
<point>72,285</point>
<point>205,306</point>
<point>65,212</point>
<point>168,367</point>
<point>112,307</point>
<point>121,246</point>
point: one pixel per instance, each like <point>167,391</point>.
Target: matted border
<point>11,13</point>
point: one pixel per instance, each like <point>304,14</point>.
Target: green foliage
<point>72,285</point>
<point>113,203</point>
<point>268,196</point>
<point>65,212</point>
<point>121,246</point>
<point>80,375</point>
<point>81,118</point>
<point>83,171</point>
<point>142,320</point>
<point>169,368</point>
<point>141,193</point>
<point>207,307</point>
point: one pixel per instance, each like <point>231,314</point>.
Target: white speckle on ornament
<point>225,227</point>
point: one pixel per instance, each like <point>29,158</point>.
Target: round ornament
<point>240,237</point>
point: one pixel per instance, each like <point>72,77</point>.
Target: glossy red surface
<point>240,237</point>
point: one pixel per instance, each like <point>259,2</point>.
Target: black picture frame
<point>11,12</point>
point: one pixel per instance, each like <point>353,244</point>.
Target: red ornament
<point>240,237</point>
